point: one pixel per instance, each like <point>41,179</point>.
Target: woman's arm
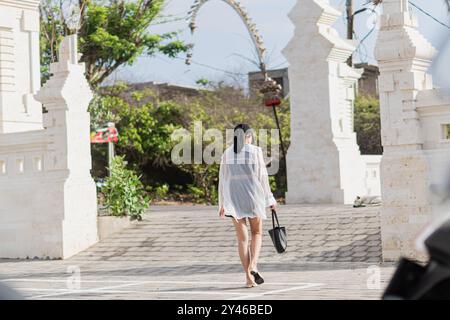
<point>264,180</point>
<point>221,182</point>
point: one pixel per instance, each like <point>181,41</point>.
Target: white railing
<point>23,154</point>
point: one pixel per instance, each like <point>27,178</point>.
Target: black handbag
<point>278,234</point>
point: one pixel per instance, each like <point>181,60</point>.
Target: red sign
<point>105,135</point>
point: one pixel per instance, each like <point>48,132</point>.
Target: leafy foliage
<point>144,129</point>
<point>112,33</point>
<point>124,192</point>
<point>162,190</point>
<point>146,122</point>
<point>206,179</point>
<point>367,124</point>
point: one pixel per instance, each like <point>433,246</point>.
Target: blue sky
<point>221,40</point>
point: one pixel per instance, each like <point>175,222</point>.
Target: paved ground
<point>188,253</point>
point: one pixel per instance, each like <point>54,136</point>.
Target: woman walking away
<point>244,193</point>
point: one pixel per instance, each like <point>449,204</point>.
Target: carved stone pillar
<point>324,164</point>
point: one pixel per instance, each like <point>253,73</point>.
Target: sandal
<point>257,276</point>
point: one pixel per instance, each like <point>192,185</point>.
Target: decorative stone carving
<point>19,66</point>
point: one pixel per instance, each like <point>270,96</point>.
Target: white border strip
<point>257,295</point>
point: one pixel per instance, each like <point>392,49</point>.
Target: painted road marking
<point>256,295</point>
<point>58,292</point>
<point>149,281</point>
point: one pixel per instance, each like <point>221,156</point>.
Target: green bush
<point>123,191</point>
<point>144,124</point>
<point>367,124</point>
<point>162,190</point>
<point>205,182</point>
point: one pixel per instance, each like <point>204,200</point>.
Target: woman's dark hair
<point>239,136</point>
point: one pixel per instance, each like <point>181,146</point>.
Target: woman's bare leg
<point>255,246</point>
<point>242,239</point>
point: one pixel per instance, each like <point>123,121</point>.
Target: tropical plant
<point>123,191</point>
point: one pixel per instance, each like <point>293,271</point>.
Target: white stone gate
<point>47,196</point>
<point>324,164</point>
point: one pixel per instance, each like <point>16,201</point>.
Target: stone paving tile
<point>196,232</point>
<point>193,280</point>
<point>329,245</point>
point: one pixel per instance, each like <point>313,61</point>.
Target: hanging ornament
<point>272,92</point>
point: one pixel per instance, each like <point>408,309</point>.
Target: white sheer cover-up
<point>244,189</point>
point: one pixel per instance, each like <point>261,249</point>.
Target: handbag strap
<point>275,217</point>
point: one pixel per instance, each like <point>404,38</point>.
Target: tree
<point>367,124</point>
<point>112,33</point>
